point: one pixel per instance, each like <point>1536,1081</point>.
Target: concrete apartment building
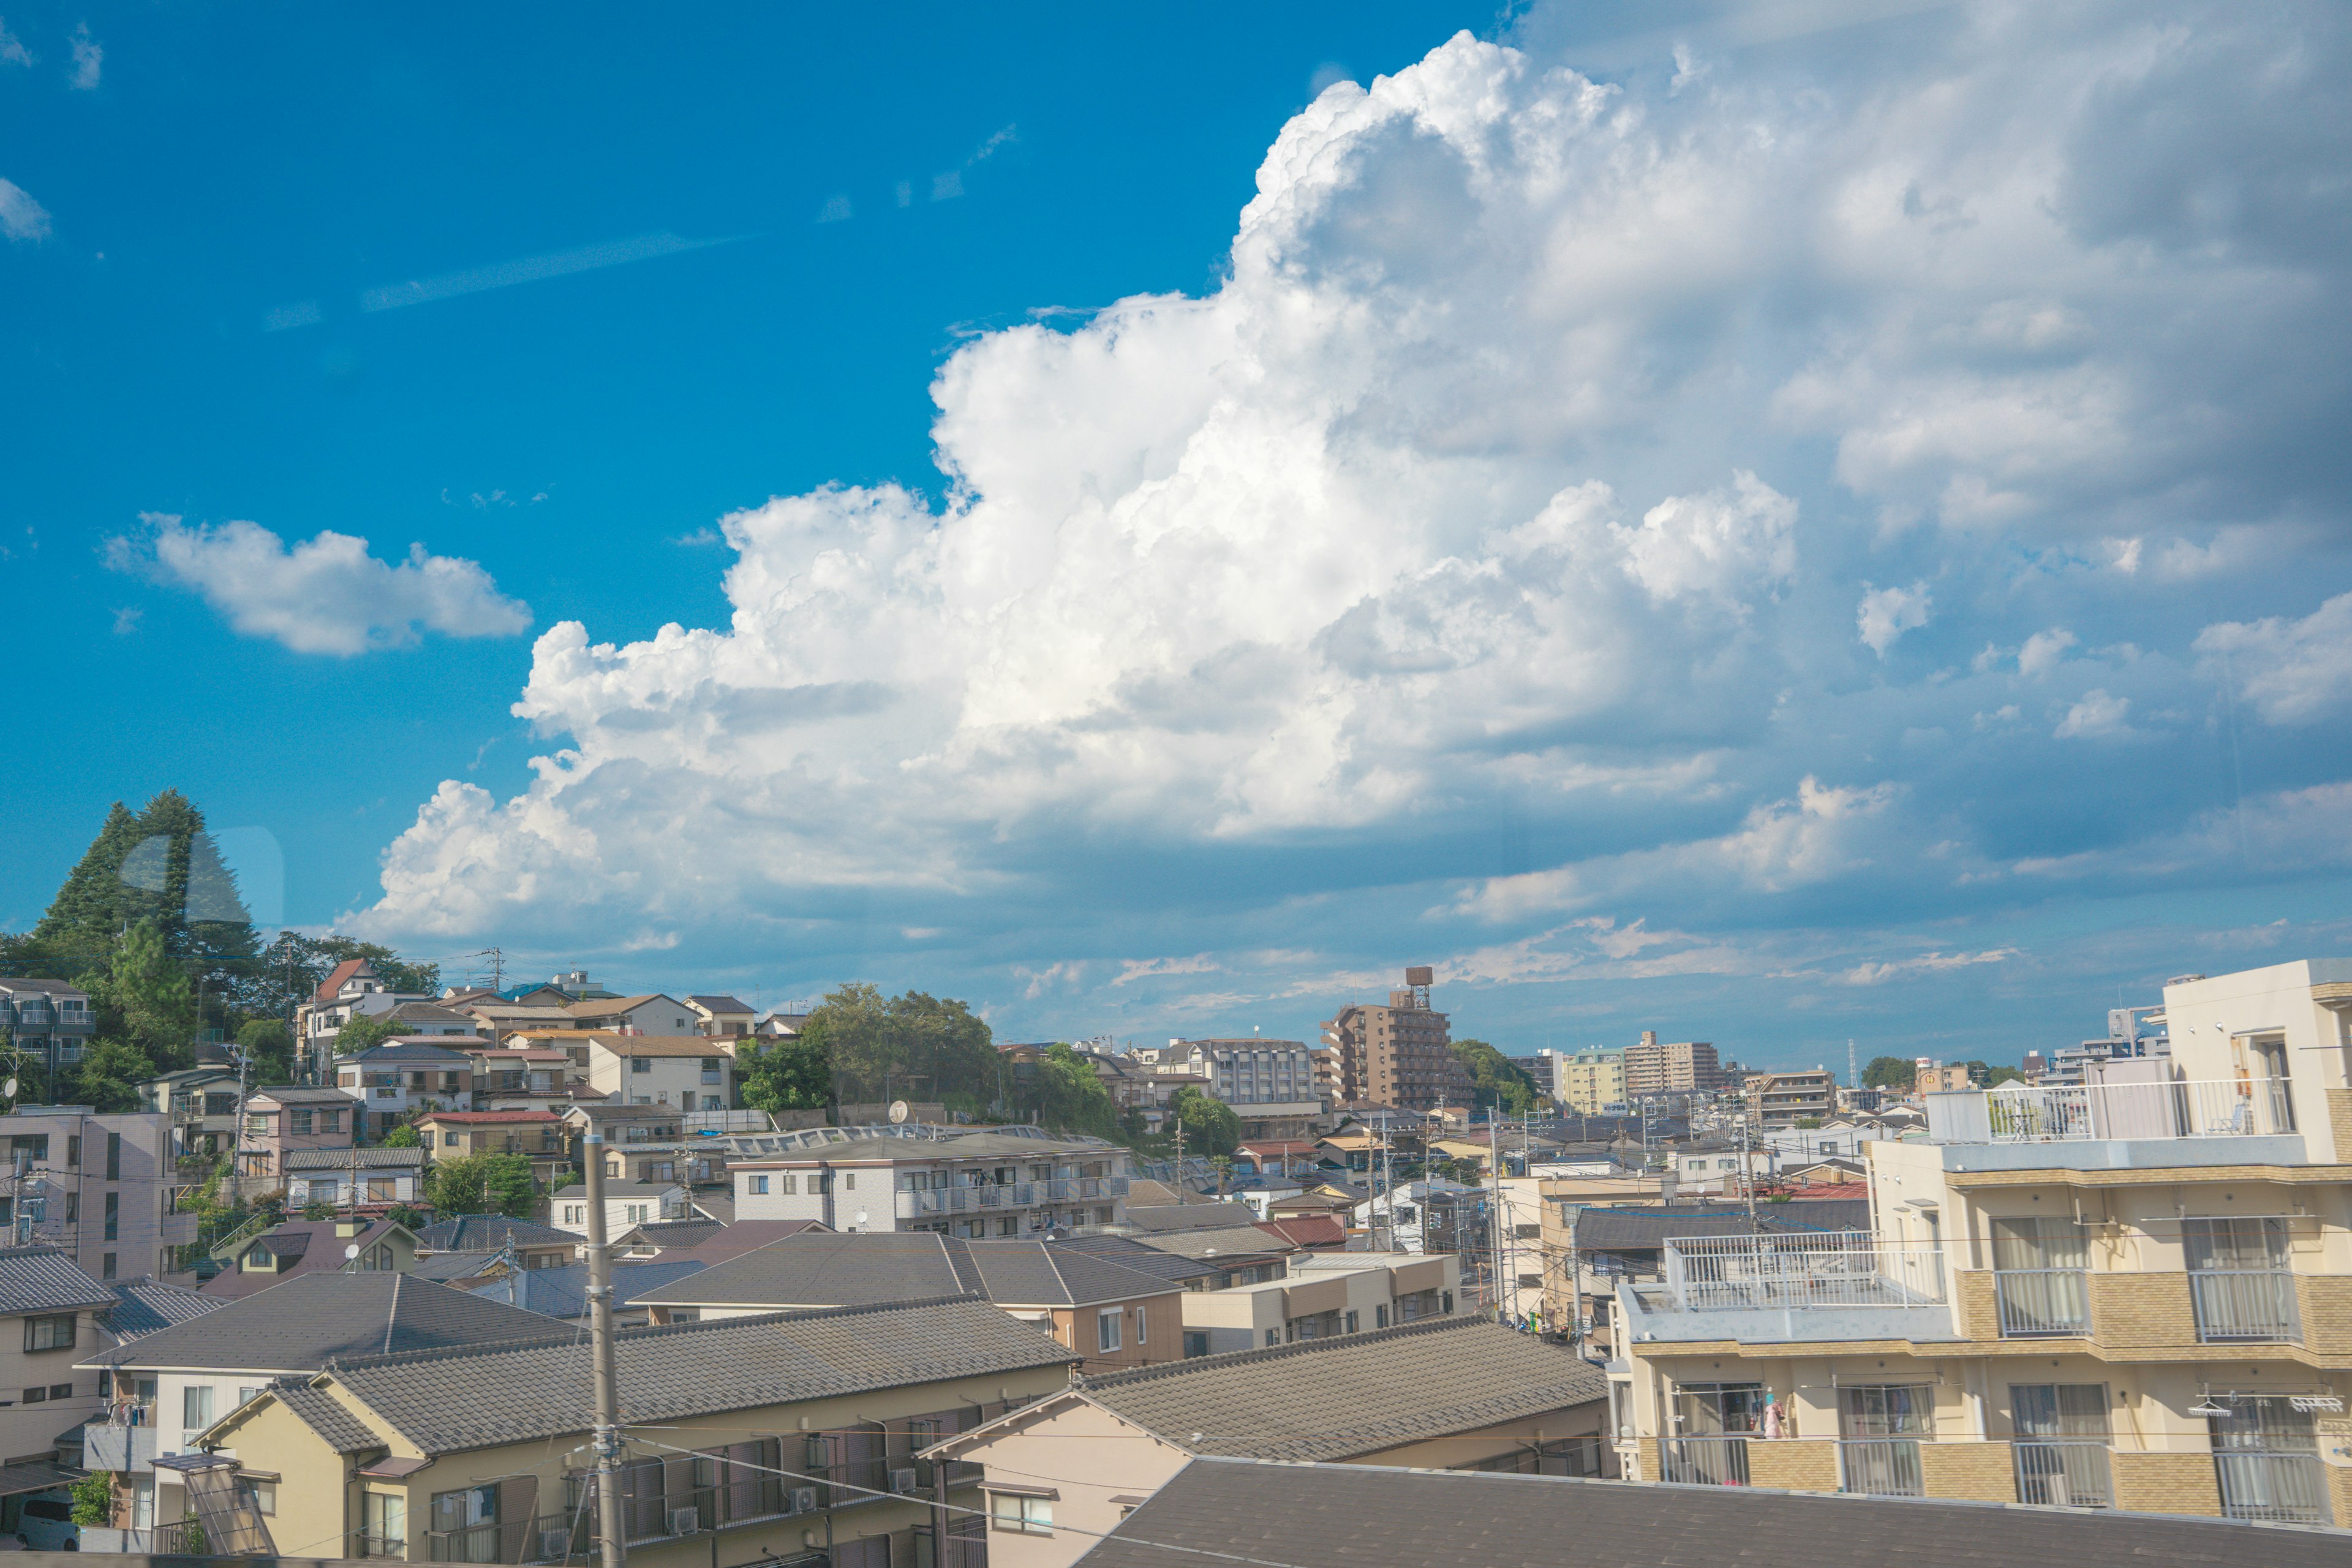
<point>2135,1292</point>
<point>1323,1296</point>
<point>48,1021</point>
<point>999,1182</point>
<point>1399,1054</point>
<point>100,1188</point>
<point>1591,1083</point>
<point>1684,1066</point>
<point>1780,1100</point>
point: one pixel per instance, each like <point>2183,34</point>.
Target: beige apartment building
<point>1779,1099</point>
<point>1399,1053</point>
<point>1682,1066</point>
<point>1591,1082</point>
<point>2135,1292</point>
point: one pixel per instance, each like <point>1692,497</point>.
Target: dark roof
<point>1372,1515</point>
<point>1126,1250</point>
<point>1356,1394</point>
<point>44,1280</point>
<point>301,1323</point>
<point>823,1268</point>
<point>722,1004</point>
<point>1240,1241</point>
<point>446,1266</point>
<point>448,1401</point>
<point>563,1292</point>
<point>403,1049</point>
<point>1158,1217</point>
<point>488,1232</point>
<point>1647,1229</point>
<point>673,1234</point>
<point>375,1157</point>
<point>300,1094</point>
<point>1816,1213</point>
<point>143,1305</point>
<point>743,1235</point>
<point>344,1432</point>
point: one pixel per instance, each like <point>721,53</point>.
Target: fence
<point>2065,1475</point>
<point>1815,1270</point>
<point>2042,1302</point>
<point>2186,1108</point>
<point>2245,1305</point>
<point>2285,1488</point>
<point>1705,1461</point>
<point>1883,1467</point>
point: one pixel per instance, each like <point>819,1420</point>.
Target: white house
<point>689,1071</point>
<point>626,1204</point>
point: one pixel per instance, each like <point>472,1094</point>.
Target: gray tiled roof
<point>373,1158</point>
<point>448,1401</point>
<point>445,1266</point>
<point>303,1324</point>
<point>1359,1393</point>
<point>488,1233</point>
<point>1151,1218</point>
<point>1370,1516</point>
<point>821,1268</point>
<point>44,1280</point>
<point>672,1234</point>
<point>418,1050</point>
<point>293,1094</point>
<point>323,1414</point>
<point>145,1305</point>
<point>1240,1241</point>
<point>1133,1254</point>
<point>563,1292</point>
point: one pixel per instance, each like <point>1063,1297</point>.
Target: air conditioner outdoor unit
<point>685,1521</point>
<point>902,1480</point>
<point>804,1500</point>
<point>554,1545</point>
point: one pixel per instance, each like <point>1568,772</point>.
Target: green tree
<point>93,1498</point>
<point>270,1049</point>
<point>483,1183</point>
<point>1890,1072</point>
<point>1496,1080</point>
<point>404,1136</point>
<point>1068,1094</point>
<point>86,918</point>
<point>913,1040</point>
<point>1211,1128</point>
<point>788,1075</point>
<point>145,999</point>
<point>111,1071</point>
<point>368,1031</point>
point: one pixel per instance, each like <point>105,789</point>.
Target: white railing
<point>2042,1302</point>
<point>2065,1474</point>
<point>1826,1269</point>
<point>1705,1461</point>
<point>2243,1305</point>
<point>2186,1108</point>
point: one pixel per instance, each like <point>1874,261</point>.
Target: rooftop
<point>301,1323</point>
<point>658,1044</point>
<point>824,1268</point>
<point>145,1305</point>
<point>44,1280</point>
<point>488,1232</point>
<point>563,1292</point>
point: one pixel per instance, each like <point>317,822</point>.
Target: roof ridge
<point>1276,1352</point>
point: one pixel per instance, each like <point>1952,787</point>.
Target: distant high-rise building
<point>1682,1066</point>
<point>1399,1053</point>
<point>1592,1081</point>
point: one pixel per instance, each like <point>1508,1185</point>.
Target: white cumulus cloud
<point>21,218</point>
<point>323,595</point>
<point>2292,671</point>
<point>1885,613</point>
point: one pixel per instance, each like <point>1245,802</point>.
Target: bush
<point>93,1500</point>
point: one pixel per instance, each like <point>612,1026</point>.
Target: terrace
<point>2160,1121</point>
<point>1816,1286</point>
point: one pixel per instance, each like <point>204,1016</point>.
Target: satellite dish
<point>351,1252</point>
<point>897,1109</point>
<point>9,1088</point>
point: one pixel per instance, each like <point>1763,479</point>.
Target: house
<point>535,1246</point>
<point>651,1013</point>
<point>58,1310</point>
<point>280,1122</point>
<point>103,1186</point>
<point>1457,1395</point>
<point>1322,1295</point>
<point>1220,1509</point>
<point>401,1076</point>
<point>741,1237</point>
<point>251,1264</point>
<point>625,1125</point>
<point>688,1071</point>
<point>500,1019</point>
<point>537,1135</point>
<point>998,1183</point>
<point>1112,1315</point>
<point>1401,1219</point>
<point>723,1018</point>
<point>527,1078</point>
<point>1308,1232</point>
<point>788,1438</point>
<point>626,1204</point>
<point>354,1179</point>
<point>562,1291</point>
<point>350,987</point>
<point>201,1103</point>
<point>2124,1293</point>
<point>165,1388</point>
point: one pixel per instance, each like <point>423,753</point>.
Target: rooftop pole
<point>611,1545</point>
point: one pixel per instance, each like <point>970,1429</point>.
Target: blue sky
<point>1775,523</point>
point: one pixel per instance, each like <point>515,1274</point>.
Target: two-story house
<point>723,1018</point>
<point>692,1072</point>
<point>649,1013</point>
<point>2133,1293</point>
<point>537,1135</point>
<point>52,1311</point>
<point>284,1119</point>
<point>402,1076</point>
<point>527,1079</point>
<point>351,986</point>
<point>201,1105</point>
<point>1000,1182</point>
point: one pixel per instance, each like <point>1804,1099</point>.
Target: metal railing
<point>1812,1269</point>
<point>2065,1474</point>
<point>1705,1461</point>
<point>2245,1305</point>
<point>1883,1466</point>
<point>2042,1302</point>
<point>2285,1488</point>
<point>2184,1108</point>
<point>550,1538</point>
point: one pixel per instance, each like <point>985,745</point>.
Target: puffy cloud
<point>1485,547</point>
<point>324,594</point>
<point>89,60</point>
<point>21,218</point>
<point>2293,672</point>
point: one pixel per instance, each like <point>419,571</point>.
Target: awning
<point>392,1469</point>
<point>38,1475</point>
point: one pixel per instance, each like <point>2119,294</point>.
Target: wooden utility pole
<point>610,1541</point>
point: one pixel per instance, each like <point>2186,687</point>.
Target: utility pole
<point>600,1338</point>
<point>1180,1158</point>
<point>1495,1219</point>
<point>1747,1170</point>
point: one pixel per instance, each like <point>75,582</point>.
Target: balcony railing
<point>1705,1461</point>
<point>2285,1488</point>
<point>1823,1270</point>
<point>1883,1466</point>
<point>2187,1107</point>
<point>2042,1302</point>
<point>2065,1475</point>
<point>2245,1306</point>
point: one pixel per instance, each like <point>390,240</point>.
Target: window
<point>1351,1322</point>
<point>641,1064</point>
<point>113,1156</point>
<point>575,1213</point>
<point>61,1391</point>
<point>36,1395</point>
<point>758,1186</point>
<point>73,1151</point>
<point>792,1184</point>
<point>1021,1515</point>
<point>1107,1330</point>
<point>54,1331</point>
<point>1140,1337</point>
<point>1009,1226</point>
<point>106,1261</point>
<point>385,1520</point>
<point>113,1217</point>
<point>197,1406</point>
<point>301,1120</point>
<point>264,1495</point>
<point>1273,1337</point>
<point>73,1209</point>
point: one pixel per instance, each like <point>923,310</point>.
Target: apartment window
<point>73,1209</point>
<point>1009,1226</point>
<point>113,1217</point>
<point>1139,1336</point>
<point>37,1396</point>
<point>1379,1317</point>
<point>2061,1444</point>
<point>466,1508</point>
<point>1272,1338</point>
<point>106,1262</point>
<point>758,1186</point>
<point>113,1156</point>
<point>641,1064</point>
<point>1107,1330</point>
<point>2239,1281</point>
<point>73,1150</point>
<point>791,1184</point>
<point>51,1331</point>
<point>575,1213</point>
<point>1021,1515</point>
<point>1352,1324</point>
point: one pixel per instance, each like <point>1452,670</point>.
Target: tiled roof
<point>490,1118</point>
<point>1237,1241</point>
<point>375,1157</point>
<point>335,978</point>
<point>448,1401</point>
<point>1134,1254</point>
<point>673,1234</point>
<point>1370,1516</point>
<point>293,1239</point>
<point>821,1268</point>
<point>488,1233</point>
<point>742,1236</point>
<point>721,1004</point>
<point>409,1049</point>
<point>1307,1230</point>
<point>293,1094</point>
<point>302,1323</point>
<point>44,1280</point>
<point>1357,1395</point>
<point>145,1305</point>
<point>596,1006</point>
<point>661,1044</point>
<point>615,1191</point>
<point>1146,1218</point>
<point>448,1266</point>
<point>321,1411</point>
<point>563,1292</point>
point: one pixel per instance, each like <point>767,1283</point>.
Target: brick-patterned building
<point>2134,1292</point>
<point>1401,1053</point>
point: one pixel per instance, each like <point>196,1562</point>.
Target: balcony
<point>1705,1461</point>
<point>1880,1466</point>
<point>1815,1286</point>
<point>2065,1475</point>
<point>129,1448</point>
<point>2195,1121</point>
<point>2041,1303</point>
<point>2245,1306</point>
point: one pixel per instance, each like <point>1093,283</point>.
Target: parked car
<point>46,1524</point>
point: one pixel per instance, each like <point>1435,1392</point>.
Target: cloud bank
<point>1702,521</point>
<point>324,594</point>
